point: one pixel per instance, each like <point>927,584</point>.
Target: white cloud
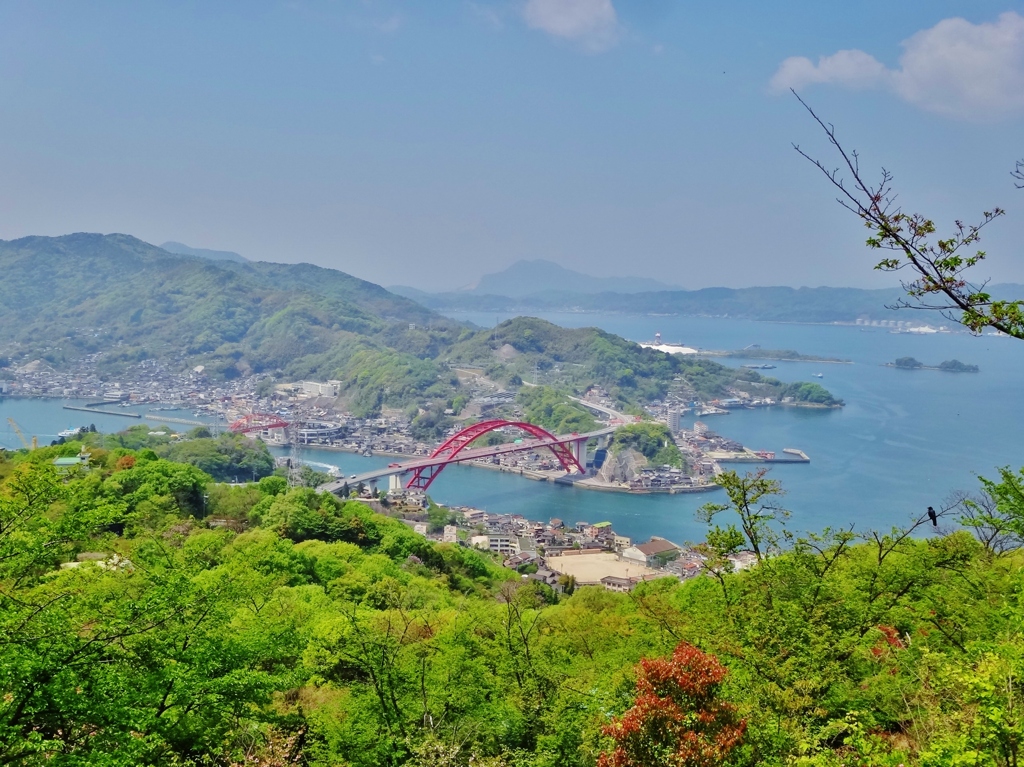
<point>956,68</point>
<point>592,23</point>
<point>854,69</point>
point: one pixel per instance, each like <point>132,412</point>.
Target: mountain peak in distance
<point>524,278</point>
<point>213,255</point>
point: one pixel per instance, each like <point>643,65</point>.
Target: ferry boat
<point>68,433</point>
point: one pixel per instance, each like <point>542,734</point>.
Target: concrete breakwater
<point>791,455</point>
<point>105,412</point>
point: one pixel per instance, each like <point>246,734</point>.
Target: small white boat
<point>68,433</point>
<point>819,375</point>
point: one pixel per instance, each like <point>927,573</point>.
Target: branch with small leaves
<point>940,266</point>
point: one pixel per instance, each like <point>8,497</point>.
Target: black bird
<point>933,517</point>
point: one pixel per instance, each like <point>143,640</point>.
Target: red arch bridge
<point>257,422</point>
<point>569,449</point>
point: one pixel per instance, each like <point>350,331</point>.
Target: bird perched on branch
<point>933,517</point>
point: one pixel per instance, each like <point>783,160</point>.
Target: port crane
<point>17,430</point>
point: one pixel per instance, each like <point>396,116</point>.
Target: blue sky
<point>426,143</point>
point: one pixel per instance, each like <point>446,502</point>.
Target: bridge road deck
<point>469,454</point>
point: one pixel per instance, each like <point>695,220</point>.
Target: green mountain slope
<point>96,292</point>
<point>532,349</point>
<point>64,297</point>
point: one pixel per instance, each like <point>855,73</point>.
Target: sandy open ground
<point>591,568</point>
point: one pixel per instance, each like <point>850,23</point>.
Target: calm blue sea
<point>45,418</point>
<point>904,441</point>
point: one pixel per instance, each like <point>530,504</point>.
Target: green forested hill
<point>91,292</point>
<point>300,629</point>
<point>576,358</point>
<point>119,282</point>
<point>63,297</point>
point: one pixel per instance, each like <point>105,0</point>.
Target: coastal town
<point>560,555</point>
<point>151,390</point>
<point>554,553</point>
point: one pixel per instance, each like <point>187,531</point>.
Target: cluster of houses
<point>530,547</point>
<point>147,381</point>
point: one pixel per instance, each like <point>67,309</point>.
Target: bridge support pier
<point>394,482</point>
<point>579,451</point>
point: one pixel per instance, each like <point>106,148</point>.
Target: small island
<point>775,355</point>
<point>809,395</point>
<point>949,366</point>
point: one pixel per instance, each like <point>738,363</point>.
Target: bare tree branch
<point>940,266</point>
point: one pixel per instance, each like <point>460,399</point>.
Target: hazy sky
<point>427,142</point>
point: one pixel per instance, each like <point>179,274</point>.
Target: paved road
<point>615,415</point>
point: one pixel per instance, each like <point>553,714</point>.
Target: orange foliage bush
<point>677,718</point>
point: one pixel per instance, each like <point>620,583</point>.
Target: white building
<point>653,553</point>
<point>673,421</point>
<point>451,534</point>
<point>500,544</point>
<point>317,389</point>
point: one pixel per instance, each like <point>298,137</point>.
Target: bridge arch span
<point>257,422</point>
<point>422,477</point>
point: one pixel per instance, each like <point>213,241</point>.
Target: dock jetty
<point>105,412</point>
<point>169,419</point>
<point>790,455</point>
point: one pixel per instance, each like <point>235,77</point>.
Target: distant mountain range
<point>540,286</point>
<point>772,303</point>
<point>523,278</point>
<point>214,255</point>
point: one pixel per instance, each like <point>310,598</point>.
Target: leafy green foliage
<point>652,440</point>
<point>810,394</point>
<point>547,407</point>
<point>312,630</point>
<point>225,458</point>
<point>229,457</point>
